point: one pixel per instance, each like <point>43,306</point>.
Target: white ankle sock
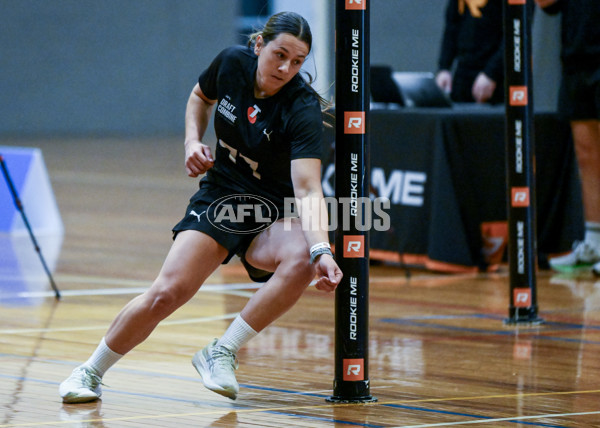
<point>592,234</point>
<point>102,359</point>
<point>236,336</point>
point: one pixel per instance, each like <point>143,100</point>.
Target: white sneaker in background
<point>596,269</point>
<point>583,257</point>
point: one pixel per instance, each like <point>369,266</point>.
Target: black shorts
<point>233,220</point>
<point>579,95</point>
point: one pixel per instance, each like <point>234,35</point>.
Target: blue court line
<point>216,405</point>
<point>446,412</point>
<point>106,388</point>
<point>558,326</point>
<point>285,391</point>
<point>501,318</point>
<point>233,406</point>
<point>156,375</point>
<point>325,419</point>
<point>420,409</point>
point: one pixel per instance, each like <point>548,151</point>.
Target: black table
<point>444,172</point>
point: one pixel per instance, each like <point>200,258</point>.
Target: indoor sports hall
<point>91,143</point>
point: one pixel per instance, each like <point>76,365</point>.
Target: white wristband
<point>318,249</point>
<point>319,246</point>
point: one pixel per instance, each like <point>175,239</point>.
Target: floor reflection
<point>86,415</point>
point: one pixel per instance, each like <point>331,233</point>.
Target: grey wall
<point>406,33</point>
<point>105,67</point>
<point>114,67</point>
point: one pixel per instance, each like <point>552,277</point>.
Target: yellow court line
<point>331,405</point>
<point>487,421</point>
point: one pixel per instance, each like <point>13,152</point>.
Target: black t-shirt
<point>473,34</point>
<point>580,33</point>
<point>258,138</point>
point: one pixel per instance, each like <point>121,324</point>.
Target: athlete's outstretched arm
<point>306,178</point>
<point>198,157</point>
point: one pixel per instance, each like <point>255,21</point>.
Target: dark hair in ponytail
<point>284,22</point>
<point>295,25</point>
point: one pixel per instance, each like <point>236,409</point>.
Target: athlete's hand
<point>198,158</point>
<point>329,274</point>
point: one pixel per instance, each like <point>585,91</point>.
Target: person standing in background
<point>470,66</point>
<point>579,102</point>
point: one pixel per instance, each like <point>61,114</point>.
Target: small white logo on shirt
<point>268,134</point>
<point>226,109</point>
<point>194,213</point>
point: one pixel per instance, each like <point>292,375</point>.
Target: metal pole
<point>351,382</point>
<point>19,206</point>
<point>520,149</point>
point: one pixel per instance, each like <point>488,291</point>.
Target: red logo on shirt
<point>253,113</point>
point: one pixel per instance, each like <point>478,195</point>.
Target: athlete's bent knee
<point>163,303</point>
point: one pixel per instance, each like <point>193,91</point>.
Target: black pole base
<point>523,316</point>
<point>524,321</point>
<point>351,392</point>
<point>357,400</point>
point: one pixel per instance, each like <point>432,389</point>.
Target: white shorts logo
<point>242,213</point>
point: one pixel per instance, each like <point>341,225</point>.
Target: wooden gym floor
<point>440,354</point>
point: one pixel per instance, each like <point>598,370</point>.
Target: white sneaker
<point>216,365</point>
<point>596,269</point>
<point>583,257</point>
<point>82,386</point>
